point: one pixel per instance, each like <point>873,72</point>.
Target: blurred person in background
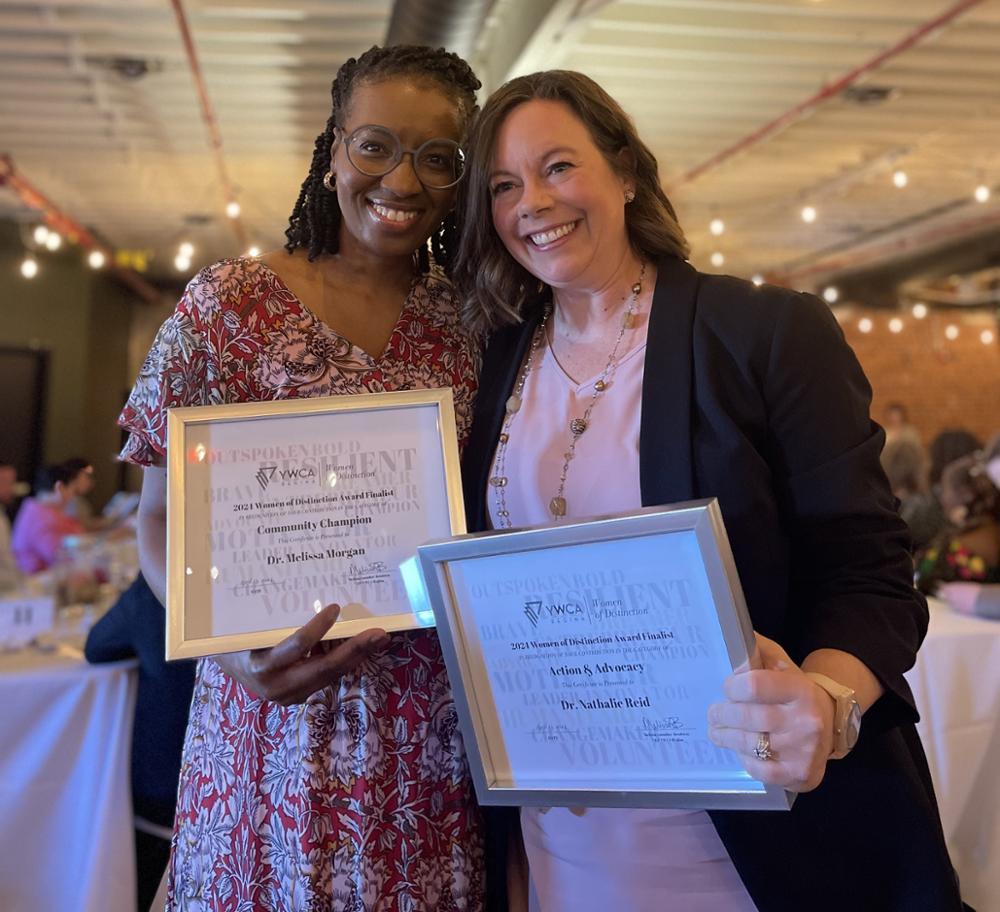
<point>896,422</point>
<point>42,523</point>
<point>10,575</point>
<point>948,446</point>
<point>135,627</point>
<point>905,466</point>
<point>82,483</point>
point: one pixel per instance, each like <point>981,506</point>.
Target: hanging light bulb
<point>253,252</point>
<point>830,294</point>
<point>951,332</point>
<point>895,325</point>
<point>865,325</point>
<point>186,250</point>
<point>982,193</point>
<point>53,240</point>
<point>987,337</point>
<point>233,209</point>
<point>919,310</point>
<point>40,234</point>
<point>900,179</point>
<point>758,279</point>
<point>182,263</point>
<point>95,259</point>
<point>717,259</point>
<point>808,214</point>
<point>29,267</point>
<point>716,226</point>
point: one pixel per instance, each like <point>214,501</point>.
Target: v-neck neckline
<point>588,384</point>
<point>357,349</point>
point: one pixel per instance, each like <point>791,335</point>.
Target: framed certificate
<point>275,509</point>
<point>584,657</point>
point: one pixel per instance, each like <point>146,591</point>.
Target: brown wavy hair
<point>496,289</point>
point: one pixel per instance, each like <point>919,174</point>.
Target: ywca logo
<point>537,611</point>
<point>264,475</point>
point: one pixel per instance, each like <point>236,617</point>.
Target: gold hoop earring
<point>329,181</point>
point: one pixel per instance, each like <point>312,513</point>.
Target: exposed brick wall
<point>943,383</point>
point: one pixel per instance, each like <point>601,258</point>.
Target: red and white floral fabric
<point>358,799</point>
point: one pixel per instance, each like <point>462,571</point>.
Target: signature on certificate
<point>372,572</point>
<point>668,728</point>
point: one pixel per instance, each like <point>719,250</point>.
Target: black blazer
<point>752,395</point>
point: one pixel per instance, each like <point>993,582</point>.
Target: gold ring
<point>763,749</point>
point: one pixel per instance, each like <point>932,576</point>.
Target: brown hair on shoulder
<point>495,288</point>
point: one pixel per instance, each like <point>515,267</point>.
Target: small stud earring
<point>329,181</point>
<point>629,196</point>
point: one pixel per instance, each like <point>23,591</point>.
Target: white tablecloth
<point>956,681</point>
<point>66,838</point>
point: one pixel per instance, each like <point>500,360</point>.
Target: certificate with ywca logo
<point>584,657</point>
<point>277,509</point>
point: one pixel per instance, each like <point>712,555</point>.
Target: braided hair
<point>315,221</point>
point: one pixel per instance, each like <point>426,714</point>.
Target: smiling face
<point>392,215</point>
<point>558,205</point>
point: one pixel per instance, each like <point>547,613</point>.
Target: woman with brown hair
<point>616,377</point>
<point>317,778</point>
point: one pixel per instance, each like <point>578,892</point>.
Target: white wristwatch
<point>846,715</point>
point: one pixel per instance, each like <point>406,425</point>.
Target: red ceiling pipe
<point>897,246</point>
<point>208,115</point>
<point>828,91</point>
<point>71,229</point>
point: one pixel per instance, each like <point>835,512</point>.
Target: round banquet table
<point>956,682</point>
<point>65,809</point>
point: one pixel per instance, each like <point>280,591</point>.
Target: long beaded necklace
<point>577,426</point>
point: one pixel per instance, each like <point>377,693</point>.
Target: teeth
<point>547,237</point>
<point>394,215</point>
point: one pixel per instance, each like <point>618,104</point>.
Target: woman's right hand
<point>302,663</point>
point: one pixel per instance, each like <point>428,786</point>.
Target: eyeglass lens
<point>375,151</point>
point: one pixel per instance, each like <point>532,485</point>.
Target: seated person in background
<point>10,576</point>
<point>135,627</point>
<point>896,422</point>
<point>905,466</point>
<point>42,523</point>
<point>946,448</point>
<point>969,551</point>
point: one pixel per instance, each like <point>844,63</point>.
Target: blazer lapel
<point>503,358</point>
<point>666,471</point>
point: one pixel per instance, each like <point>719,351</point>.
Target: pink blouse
<point>584,859</point>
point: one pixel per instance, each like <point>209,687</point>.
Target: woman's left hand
<point>781,701</point>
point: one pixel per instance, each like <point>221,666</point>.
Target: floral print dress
<point>359,799</point>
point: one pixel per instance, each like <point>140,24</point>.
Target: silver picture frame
<point>565,703</point>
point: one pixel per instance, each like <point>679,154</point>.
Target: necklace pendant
<point>600,386</point>
<point>577,426</point>
<point>557,506</point>
<point>513,404</point>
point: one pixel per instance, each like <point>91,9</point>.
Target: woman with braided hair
<point>318,778</point>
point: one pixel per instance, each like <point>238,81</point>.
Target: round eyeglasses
<point>375,151</point>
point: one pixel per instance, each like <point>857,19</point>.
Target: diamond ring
<point>763,749</point>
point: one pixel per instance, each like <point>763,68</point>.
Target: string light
<point>253,252</point>
<point>717,226</point>
<point>29,267</point>
<point>830,294</point>
<point>808,214</point>
<point>233,209</point>
<point>95,259</point>
<point>758,279</point>
<point>919,310</point>
<point>951,332</point>
<point>182,263</point>
<point>40,234</point>
<point>53,240</point>
<point>900,179</point>
<point>717,259</point>
<point>865,325</point>
<point>982,193</point>
<point>895,325</point>
<point>186,250</point>
<point>987,337</point>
